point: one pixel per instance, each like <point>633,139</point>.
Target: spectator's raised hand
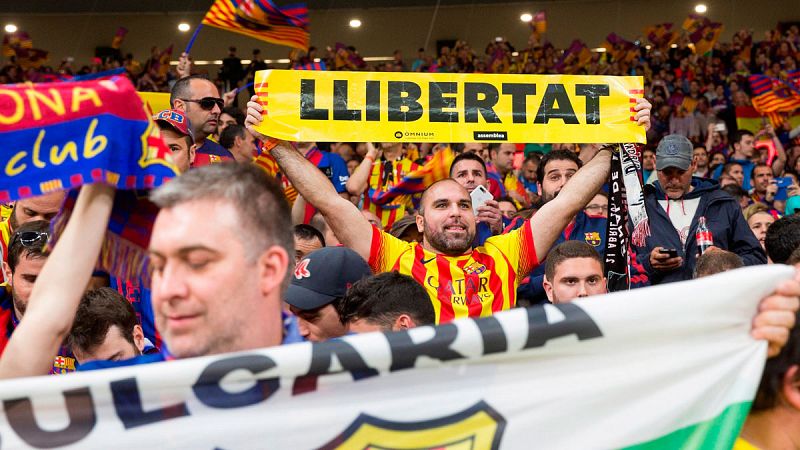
<point>642,109</point>
<point>490,213</point>
<point>777,314</point>
<point>184,68</point>
<point>229,97</point>
<point>254,119</point>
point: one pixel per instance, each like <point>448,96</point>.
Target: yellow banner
<point>155,101</point>
<point>305,105</point>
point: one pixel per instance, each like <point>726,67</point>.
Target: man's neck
<point>776,428</point>
<point>739,156</point>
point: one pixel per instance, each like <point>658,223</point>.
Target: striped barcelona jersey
<point>476,284</point>
<point>384,175</point>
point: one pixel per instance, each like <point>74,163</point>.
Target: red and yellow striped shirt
<point>476,284</point>
<point>382,178</point>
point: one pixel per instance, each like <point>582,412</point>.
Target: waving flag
<point>15,40</point>
<point>262,20</point>
<point>539,22</point>
<point>119,36</point>
<point>438,168</point>
<point>63,135</point>
<point>773,95</point>
<point>313,65</point>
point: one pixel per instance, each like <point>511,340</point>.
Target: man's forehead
<point>43,203</point>
<point>468,164</point>
<point>447,189</point>
<point>560,164</point>
<point>203,88</point>
<point>579,267</point>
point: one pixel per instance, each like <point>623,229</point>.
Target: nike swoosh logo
<point>426,261</point>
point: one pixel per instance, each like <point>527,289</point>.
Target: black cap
<point>323,276</point>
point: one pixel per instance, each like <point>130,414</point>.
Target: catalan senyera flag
<point>661,35</point>
<point>268,164</point>
<point>163,61</point>
<point>773,95</point>
<point>262,20</point>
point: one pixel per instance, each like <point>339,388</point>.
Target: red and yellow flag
<point>262,20</point>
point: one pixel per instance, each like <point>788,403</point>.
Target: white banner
<point>663,366</point>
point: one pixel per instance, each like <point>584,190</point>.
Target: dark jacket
<point>723,217</point>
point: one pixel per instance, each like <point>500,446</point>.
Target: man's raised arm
<point>59,287</point>
<point>551,220</point>
<point>346,221</point>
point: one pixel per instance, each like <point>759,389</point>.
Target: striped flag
<point>438,168</point>
<point>262,20</point>
<point>773,95</point>
<point>313,65</point>
<point>268,164</point>
<point>539,22</point>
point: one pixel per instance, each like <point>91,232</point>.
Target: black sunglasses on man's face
<point>207,103</point>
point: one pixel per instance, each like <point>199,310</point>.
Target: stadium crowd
<point>336,259</point>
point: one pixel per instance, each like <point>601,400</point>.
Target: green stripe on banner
<point>717,433</point>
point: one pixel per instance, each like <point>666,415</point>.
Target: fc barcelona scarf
<point>626,198</point>
<point>59,136</point>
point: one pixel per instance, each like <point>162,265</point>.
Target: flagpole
<point>194,37</point>
<point>248,85</point>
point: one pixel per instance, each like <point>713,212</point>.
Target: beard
<point>448,244</point>
<point>547,196</point>
<point>13,222</point>
<point>20,305</point>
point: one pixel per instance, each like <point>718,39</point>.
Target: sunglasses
<point>207,103</point>
<point>30,239</point>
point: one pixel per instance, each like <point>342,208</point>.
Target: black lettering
<point>576,322</point>
<point>307,98</point>
<point>484,282</point>
<point>494,338</point>
<point>405,351</point>
<point>80,410</point>
<point>556,93</point>
<point>322,356</point>
<point>473,105</point>
<point>519,101</point>
<point>210,393</point>
<point>340,111</point>
<point>373,107</point>
<point>592,92</point>
<point>397,101</point>
<point>128,405</point>
<point>438,101</point>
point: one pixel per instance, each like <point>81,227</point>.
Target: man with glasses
<point>199,99</point>
<point>26,258</point>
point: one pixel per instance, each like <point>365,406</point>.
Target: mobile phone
<point>480,195</point>
<point>720,127</point>
<point>782,183</point>
<point>671,252</point>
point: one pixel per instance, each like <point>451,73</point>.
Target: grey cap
<point>674,150</point>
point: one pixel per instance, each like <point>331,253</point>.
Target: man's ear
<point>192,153</point>
<point>273,265</point>
<point>7,272</point>
<point>138,337</point>
<point>548,288</point>
<point>420,223</point>
<point>179,104</point>
<point>404,322</point>
<point>791,387</point>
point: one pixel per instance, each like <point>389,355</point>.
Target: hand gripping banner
<point>670,366</point>
<point>302,105</point>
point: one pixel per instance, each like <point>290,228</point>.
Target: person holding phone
<point>675,203</point>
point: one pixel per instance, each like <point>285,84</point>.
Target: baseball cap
<point>176,120</point>
<point>674,150</point>
<point>323,276</point>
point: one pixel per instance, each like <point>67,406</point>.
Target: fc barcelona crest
<point>478,427</point>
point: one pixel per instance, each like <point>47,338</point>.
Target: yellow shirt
<point>741,444</point>
<point>476,284</point>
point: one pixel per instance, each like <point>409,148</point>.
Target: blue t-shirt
<point>332,165</point>
<point>747,168</point>
<point>210,147</point>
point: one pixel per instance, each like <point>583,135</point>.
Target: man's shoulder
<point>139,360</point>
<point>210,147</point>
